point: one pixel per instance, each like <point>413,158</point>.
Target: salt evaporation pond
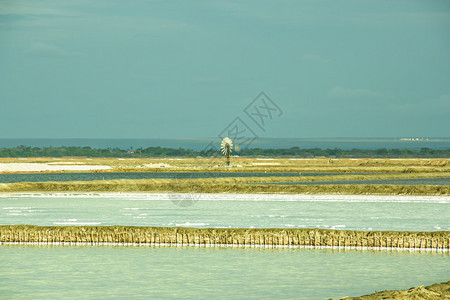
<point>46,271</point>
<point>44,177</point>
<point>403,213</point>
<point>105,272</point>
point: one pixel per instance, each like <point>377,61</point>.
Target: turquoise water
<point>261,142</point>
<point>122,272</point>
<point>415,213</point>
<point>86,272</point>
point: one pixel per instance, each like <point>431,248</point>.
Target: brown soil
<point>256,165</point>
<point>402,168</point>
<point>432,292</point>
<point>222,185</point>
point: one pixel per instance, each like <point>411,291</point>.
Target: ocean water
<point>366,212</point>
<point>127,272</point>
<point>201,143</point>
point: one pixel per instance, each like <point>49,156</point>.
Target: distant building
<point>133,151</point>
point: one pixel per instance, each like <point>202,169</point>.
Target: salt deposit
<point>37,167</point>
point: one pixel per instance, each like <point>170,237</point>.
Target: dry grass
<point>257,165</point>
<point>402,168</point>
<point>234,236</point>
<point>222,185</point>
<point>432,292</point>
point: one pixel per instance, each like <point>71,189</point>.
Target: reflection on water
<point>152,272</point>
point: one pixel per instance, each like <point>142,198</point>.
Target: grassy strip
<point>223,185</point>
<point>224,236</point>
<point>254,165</point>
<point>236,185</point>
<point>404,168</point>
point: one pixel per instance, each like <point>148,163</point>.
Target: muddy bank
<point>239,237</point>
<point>432,292</point>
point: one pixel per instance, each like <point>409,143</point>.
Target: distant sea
<point>201,143</point>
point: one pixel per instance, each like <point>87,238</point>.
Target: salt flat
<point>40,167</point>
<point>236,197</point>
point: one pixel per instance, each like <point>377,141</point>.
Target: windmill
<point>226,147</point>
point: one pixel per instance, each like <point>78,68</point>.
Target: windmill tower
<point>226,148</point>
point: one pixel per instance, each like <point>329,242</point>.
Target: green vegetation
<point>353,153</point>
<point>24,151</point>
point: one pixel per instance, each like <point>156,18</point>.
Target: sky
<point>188,69</point>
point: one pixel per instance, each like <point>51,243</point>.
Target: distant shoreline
<point>164,152</point>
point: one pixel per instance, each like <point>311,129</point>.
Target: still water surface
<point>43,177</point>
<point>122,272</point>
<point>414,213</point>
<point>261,142</point>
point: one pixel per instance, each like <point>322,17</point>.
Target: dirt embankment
<point>432,292</point>
<point>436,240</point>
<point>379,169</point>
<point>222,185</point>
<point>250,164</point>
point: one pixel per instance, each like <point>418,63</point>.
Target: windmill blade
<point>226,141</point>
<point>226,145</point>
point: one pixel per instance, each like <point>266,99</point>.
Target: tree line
<point>25,151</point>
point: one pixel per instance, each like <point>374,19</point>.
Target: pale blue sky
<point>178,69</point>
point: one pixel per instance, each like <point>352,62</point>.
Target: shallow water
<point>37,272</point>
<point>105,272</point>
<point>403,213</point>
<point>43,177</point>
